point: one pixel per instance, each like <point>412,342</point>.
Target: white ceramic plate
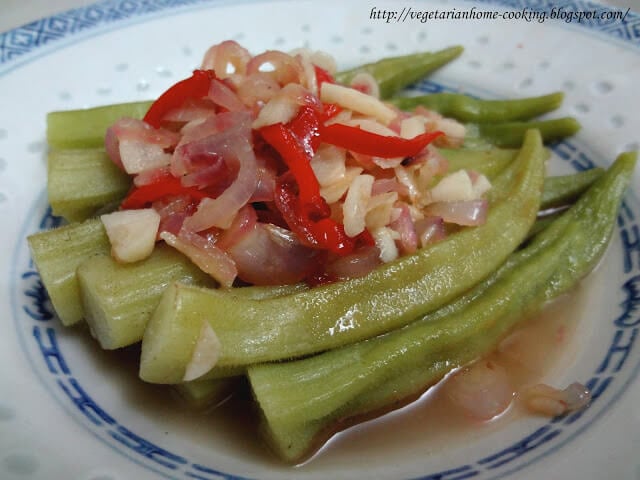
<point>68,411</point>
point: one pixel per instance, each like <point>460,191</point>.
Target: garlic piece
<point>132,233</point>
<point>205,354</point>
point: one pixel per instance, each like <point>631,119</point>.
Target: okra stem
<point>489,162</point>
<point>58,253</point>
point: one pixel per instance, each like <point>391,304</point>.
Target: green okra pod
<point>85,128</point>
<point>118,299</point>
<point>563,189</point>
<point>204,394</point>
<point>396,73</point>
<point>57,254</point>
<point>511,134</point>
<point>345,312</point>
<point>489,162</point>
<point>471,110</point>
<point>81,182</point>
<point>355,380</point>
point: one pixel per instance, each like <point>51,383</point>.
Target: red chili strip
<point>296,157</point>
<point>323,76</point>
<point>140,197</point>
<point>194,87</point>
<point>367,143</point>
<point>321,233</point>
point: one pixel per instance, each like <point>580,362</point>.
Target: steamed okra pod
<point>511,134</point>
<point>471,110</point>
<point>81,182</point>
<point>396,73</point>
<point>354,380</point>
<point>345,312</point>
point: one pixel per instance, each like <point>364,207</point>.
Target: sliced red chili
<point>322,233</point>
<point>167,184</point>
<point>323,76</point>
<point>305,126</point>
<point>194,87</point>
<point>362,141</point>
<point>296,157</point>
<point>329,111</point>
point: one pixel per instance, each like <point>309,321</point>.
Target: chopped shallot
<point>213,172</point>
<point>365,83</point>
<point>283,68</point>
<point>271,255</point>
<point>205,254</point>
<point>430,230</point>
<point>406,229</point>
<point>226,58</point>
<point>357,264</point>
<point>223,96</point>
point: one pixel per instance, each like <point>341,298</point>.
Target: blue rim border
<point>18,45</point>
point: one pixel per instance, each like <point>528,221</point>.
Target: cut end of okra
<point>57,254</point>
<point>118,299</point>
<point>85,128</point>
<point>81,182</point>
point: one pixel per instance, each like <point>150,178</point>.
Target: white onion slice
<point>355,205</point>
<point>284,106</point>
<point>357,101</point>
<point>385,239</point>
